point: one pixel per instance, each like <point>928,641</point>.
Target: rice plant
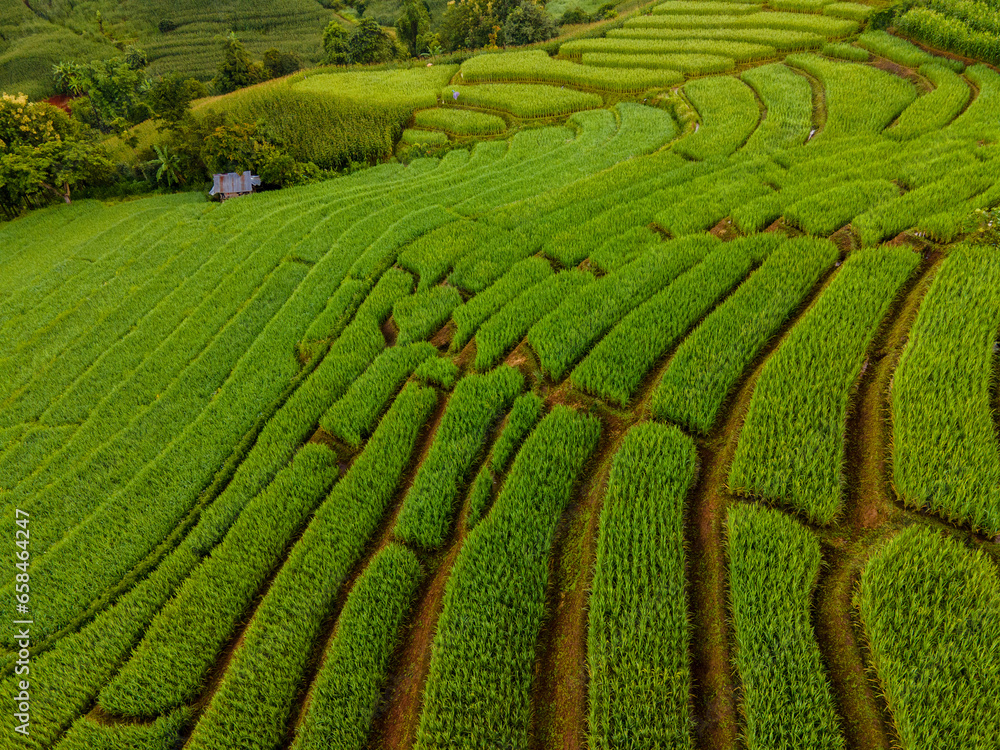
<point>419,316</point>
<point>934,110</point>
<point>791,447</point>
<point>638,631</point>
<point>459,121</point>
<point>788,98</point>
<point>738,51</point>
<point>728,112</point>
<point>945,452</point>
<point>778,39</point>
<point>522,100</point>
<point>826,212</point>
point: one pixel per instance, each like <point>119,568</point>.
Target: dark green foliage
<point>184,641</point>
<point>336,50</point>
<point>573,16</point>
<point>786,698</point>
<point>527,23</point>
<point>429,507</point>
<point>931,610</point>
<point>494,600</point>
<point>638,634</point>
<point>344,698</point>
<point>412,23</point>
<point>369,44</point>
<point>238,69</point>
<point>278,63</point>
<point>170,96</point>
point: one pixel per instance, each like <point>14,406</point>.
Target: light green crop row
<point>536,66</point>
<point>428,511</point>
<point>845,51</point>
<point>788,98</point>
<point>638,634</point>
<point>946,31</point>
<point>739,51</point>
<point>691,64</point>
<point>521,420</point>
<point>616,366</point>
<point>698,7</point>
<point>522,99</point>
<point>791,448</point>
<point>423,313</point>
<point>934,110</point>
<point>812,24</point>
<point>931,610</point>
<point>494,602</point>
<point>901,51</point>
<point>424,137</point>
<point>712,359</point>
<point>521,277</point>
<point>459,121</point>
<point>344,698</point>
<point>859,99</point>
<point>563,336</point>
<point>945,452</point>
<point>252,705</point>
<point>773,567</point>
<point>499,334</point>
<point>729,113</point>
<point>352,417</point>
<point>826,212</point>
<point>800,6</point>
<point>851,11</point>
<point>169,666</point>
<point>776,38</point>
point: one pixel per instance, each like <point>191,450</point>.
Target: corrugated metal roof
<point>233,182</point>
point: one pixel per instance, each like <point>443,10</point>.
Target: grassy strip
<point>523,417</point>
<point>945,452</point>
<point>933,111</point>
<point>945,30</point>
<point>185,639</point>
<point>738,51</point>
<point>901,51</point>
<point>788,98</point>
<point>537,66</point>
<point>253,702</point>
<point>355,414</point>
<point>638,635</point>
<point>810,24</point>
<point>845,52</point>
<point>786,699</point>
<point>501,332</point>
<point>165,731</point>
<point>423,313</point>
<point>851,11</point>
<point>776,38</point>
<point>859,99</point>
<point>728,112</point>
<point>615,367</point>
<point>522,99</point>
<point>494,601</point>
<point>712,359</point>
<point>825,212</point>
<point>345,696</point>
<point>791,447</point>
<point>690,64</point>
<point>521,277</point>
<point>460,121</point>
<point>981,120</point>
<point>429,507</point>
<point>563,336</point>
<point>931,611</point>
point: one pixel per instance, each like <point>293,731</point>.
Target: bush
<point>573,16</point>
<point>528,23</point>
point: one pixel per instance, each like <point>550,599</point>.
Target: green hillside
<point>641,395</point>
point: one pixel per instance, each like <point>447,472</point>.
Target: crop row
<point>791,447</point>
<point>422,314</point>
<point>813,24</point>
<point>563,336</point>
<point>690,64</point>
<point>945,451</point>
<point>903,52</point>
<point>615,367</point>
<point>788,99</point>
<point>710,361</point>
<point>252,704</point>
<point>460,121</point>
<point>495,599</point>
<point>429,506</point>
<point>536,66</point>
<point>638,634</point>
<point>187,636</point>
<point>827,211</point>
<point>738,51</point>
<point>934,110</point>
<point>931,611</point>
<point>773,567</point>
<point>946,31</point>
<point>775,38</point>
<point>344,698</point>
<point>729,113</point>
<point>522,99</point>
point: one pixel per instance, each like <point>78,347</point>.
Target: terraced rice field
<point>668,421</point>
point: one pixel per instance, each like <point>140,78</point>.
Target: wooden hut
<point>233,184</point>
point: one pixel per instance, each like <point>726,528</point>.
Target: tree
<point>369,44</point>
<point>170,96</point>
<point>238,69</point>
<point>336,50</point>
<point>240,146</point>
<point>114,92</point>
<point>412,23</point>
<point>278,63</point>
<point>527,23</point>
<point>168,165</point>
<point>44,154</point>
